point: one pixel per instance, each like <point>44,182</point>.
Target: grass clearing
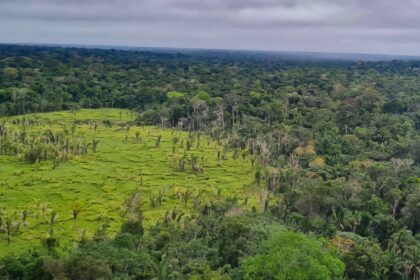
<point>102,181</point>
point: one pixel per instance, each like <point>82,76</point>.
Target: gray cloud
<point>373,26</point>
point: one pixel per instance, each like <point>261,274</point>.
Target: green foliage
<point>174,95</point>
<point>329,148</point>
<point>290,255</point>
<point>204,96</point>
<point>364,261</point>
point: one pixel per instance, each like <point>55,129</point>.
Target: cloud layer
<point>371,26</point>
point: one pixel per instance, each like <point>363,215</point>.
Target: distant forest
<point>336,146</point>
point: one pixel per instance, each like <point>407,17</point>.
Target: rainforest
<point>215,165</point>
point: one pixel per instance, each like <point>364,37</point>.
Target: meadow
<point>128,159</point>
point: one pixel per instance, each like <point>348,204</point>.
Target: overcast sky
<point>367,26</point>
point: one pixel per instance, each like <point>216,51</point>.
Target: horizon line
<point>133,48</point>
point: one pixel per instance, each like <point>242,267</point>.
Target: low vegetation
<point>56,182</point>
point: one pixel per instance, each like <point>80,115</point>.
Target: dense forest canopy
<point>335,146</point>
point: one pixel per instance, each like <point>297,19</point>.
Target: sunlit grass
<point>101,182</point>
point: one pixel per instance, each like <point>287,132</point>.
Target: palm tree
<point>36,207</point>
<point>76,208</point>
<point>53,218</point>
<point>158,140</point>
<point>10,224</point>
<point>53,221</point>
<point>392,264</point>
<point>43,210</point>
<point>95,144</point>
<point>412,262</point>
<point>400,239</point>
<point>163,269</point>
<point>24,216</point>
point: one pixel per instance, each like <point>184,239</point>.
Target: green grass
<point>102,181</point>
